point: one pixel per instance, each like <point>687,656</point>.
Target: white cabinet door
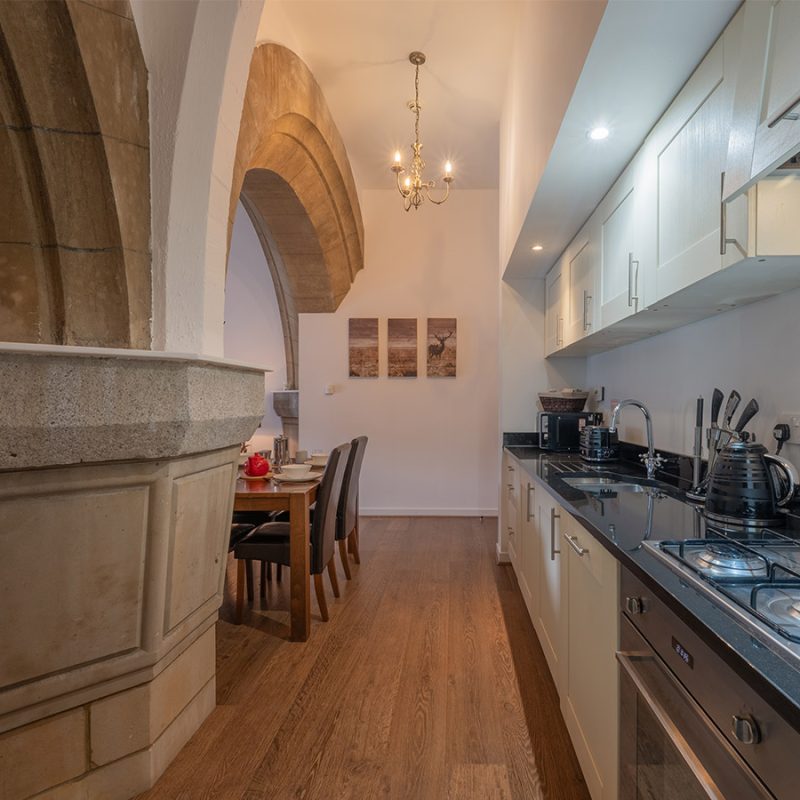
<point>510,504</point>
<point>765,130</point>
<point>589,694</point>
<point>690,165</point>
<point>582,260</point>
<point>528,574</point>
<point>554,310</point>
<point>621,275</point>
<point>549,627</point>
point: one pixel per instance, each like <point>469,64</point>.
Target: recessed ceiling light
<point>598,134</point>
<point>537,248</point>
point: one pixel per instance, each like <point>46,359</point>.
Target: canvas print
<point>402,348</point>
<point>441,347</point>
<point>363,347</point>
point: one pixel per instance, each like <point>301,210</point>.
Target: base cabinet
<point>589,691</point>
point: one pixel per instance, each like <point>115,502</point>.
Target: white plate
<point>296,478</point>
<point>314,463</point>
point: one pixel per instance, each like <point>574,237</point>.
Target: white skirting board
<point>502,556</point>
<point>427,512</point>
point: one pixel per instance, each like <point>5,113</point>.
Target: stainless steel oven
<point>691,728</point>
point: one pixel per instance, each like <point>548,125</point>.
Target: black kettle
<point>748,485</point>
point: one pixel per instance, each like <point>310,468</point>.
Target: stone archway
<point>292,170</point>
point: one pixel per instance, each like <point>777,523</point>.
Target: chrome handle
<point>559,331</point>
<point>704,780</point>
<point>789,113</point>
<point>553,518</point>
<point>586,298</point>
<point>630,280</point>
<point>528,513</point>
<point>635,296</point>
<point>723,217</point>
<point>572,541</point>
<point>634,605</point>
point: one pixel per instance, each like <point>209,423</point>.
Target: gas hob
<point>757,578</point>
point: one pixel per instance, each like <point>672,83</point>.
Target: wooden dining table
<point>296,498</point>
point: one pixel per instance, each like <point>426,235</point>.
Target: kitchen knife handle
<point>734,398</point>
<point>750,410</point>
<point>716,405</point>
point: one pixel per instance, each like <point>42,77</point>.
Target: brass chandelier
<point>413,188</point>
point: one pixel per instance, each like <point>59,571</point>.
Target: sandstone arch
<point>292,170</point>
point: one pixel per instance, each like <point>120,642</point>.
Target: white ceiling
<point>642,54</point>
<point>358,51</point>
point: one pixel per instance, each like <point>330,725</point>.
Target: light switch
<point>329,388</point>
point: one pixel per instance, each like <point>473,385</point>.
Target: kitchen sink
<point>597,485</point>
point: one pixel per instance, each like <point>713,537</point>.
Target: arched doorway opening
<point>293,179</point>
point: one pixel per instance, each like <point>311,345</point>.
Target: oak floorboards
<point>427,683</point>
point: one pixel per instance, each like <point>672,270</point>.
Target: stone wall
<point>75,167</point>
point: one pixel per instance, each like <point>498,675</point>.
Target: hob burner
<point>725,559</point>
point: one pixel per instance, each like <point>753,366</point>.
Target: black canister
<point>599,444</point>
<point>743,489</point>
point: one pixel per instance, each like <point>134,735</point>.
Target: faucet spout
<point>651,460</point>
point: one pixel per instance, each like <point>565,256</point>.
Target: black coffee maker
<point>748,485</point>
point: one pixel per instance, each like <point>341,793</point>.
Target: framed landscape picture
<point>363,347</point>
<point>402,348</point>
<point>441,347</point>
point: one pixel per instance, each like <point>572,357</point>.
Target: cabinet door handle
<point>586,298</point>
<point>528,514</point>
<point>510,531</point>
<point>573,543</point>
<point>789,113</point>
<point>724,239</point>
<point>633,283</point>
<point>559,331</point>
<point>553,518</point>
<point>509,468</point>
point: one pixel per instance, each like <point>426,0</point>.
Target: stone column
<point>117,470</point>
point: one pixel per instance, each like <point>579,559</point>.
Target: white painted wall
<point>752,349</point>
<point>550,48</point>
<point>253,331</point>
<point>433,445</point>
<point>198,58</point>
<point>524,370</point>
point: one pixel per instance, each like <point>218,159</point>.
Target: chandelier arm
<point>433,200</point>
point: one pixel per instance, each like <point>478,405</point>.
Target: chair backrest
<point>323,530</point>
<point>348,505</point>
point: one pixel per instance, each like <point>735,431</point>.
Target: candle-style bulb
<point>408,182</point>
<point>448,168</point>
<point>396,156</point>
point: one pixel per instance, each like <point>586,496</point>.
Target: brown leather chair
<point>347,516</point>
<point>270,542</point>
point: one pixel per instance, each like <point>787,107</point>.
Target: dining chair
<point>270,542</point>
<point>347,515</point>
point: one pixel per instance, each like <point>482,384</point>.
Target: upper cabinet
<point>672,241</point>
<point>581,294</point>
<point>554,310</point>
<point>765,128</point>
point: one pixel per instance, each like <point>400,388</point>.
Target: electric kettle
<point>748,485</point>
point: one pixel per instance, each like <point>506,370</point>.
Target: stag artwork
<point>441,348</point>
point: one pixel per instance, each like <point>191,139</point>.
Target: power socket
<point>792,419</point>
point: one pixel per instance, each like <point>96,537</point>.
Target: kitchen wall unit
<point>570,586</point>
<point>554,309</point>
<point>663,248</point>
<point>765,130</point>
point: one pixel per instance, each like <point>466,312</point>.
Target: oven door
<point>669,748</point>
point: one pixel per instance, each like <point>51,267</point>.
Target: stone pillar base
<point>112,573</point>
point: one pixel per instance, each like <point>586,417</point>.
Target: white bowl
<point>296,470</point>
<point>319,459</point>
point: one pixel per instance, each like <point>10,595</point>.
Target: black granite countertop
<point>624,521</point>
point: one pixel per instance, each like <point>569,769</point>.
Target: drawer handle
<point>510,531</point>
<point>528,514</point>
<point>553,518</point>
<point>573,543</point>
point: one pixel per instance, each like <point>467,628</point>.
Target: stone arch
<point>292,171</point>
<point>75,238</point>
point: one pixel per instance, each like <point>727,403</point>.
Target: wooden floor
<point>428,682</point>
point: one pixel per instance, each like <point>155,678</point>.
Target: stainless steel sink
<point>597,485</point>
